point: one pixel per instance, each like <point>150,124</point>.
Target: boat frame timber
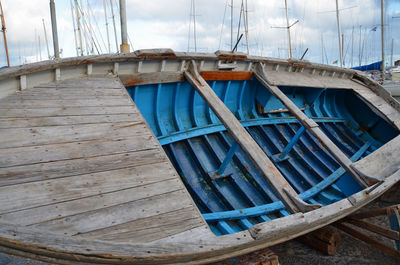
<point>165,65</point>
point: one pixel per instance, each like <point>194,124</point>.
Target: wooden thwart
<point>314,129</point>
<point>288,195</point>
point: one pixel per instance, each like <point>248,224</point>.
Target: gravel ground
<point>351,252</point>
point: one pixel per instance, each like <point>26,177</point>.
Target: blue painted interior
<point>197,143</point>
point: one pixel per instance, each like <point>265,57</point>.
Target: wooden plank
<point>370,241</point>
<point>40,193</point>
<point>66,111</point>
<point>36,136</point>
<point>100,83</point>
<point>78,166</point>
<point>46,153</point>
<point>150,228</point>
<point>387,157</point>
<point>243,138</point>
<point>115,215</point>
<point>8,123</point>
<point>389,233</point>
<point>137,79</point>
<point>71,93</point>
<point>36,103</point>
<point>225,75</point>
<point>78,95</point>
<point>313,127</point>
<point>136,187</point>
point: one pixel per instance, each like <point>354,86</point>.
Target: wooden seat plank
<point>8,123</point>
<point>35,136</point>
<point>149,229</point>
<point>79,166</point>
<point>47,153</point>
<point>66,111</point>
<point>115,215</point>
<point>139,188</point>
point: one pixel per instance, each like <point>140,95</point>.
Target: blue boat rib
<point>275,206</point>
<point>283,156</point>
<point>218,127</point>
<point>198,144</point>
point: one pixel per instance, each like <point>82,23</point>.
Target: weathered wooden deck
<point>78,159</point>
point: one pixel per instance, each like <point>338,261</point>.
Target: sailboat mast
<point>339,34</point>
<point>383,37</point>
<point>352,45</point>
<point>288,31</point>
<point>359,49</point>
<point>78,19</point>
<point>54,29</point>
<point>391,53</point>
<point>115,28</point>
<point>73,24</point>
<point>45,38</point>
<point>3,29</point>
<point>247,27</point>
<point>194,26</point>
<point>231,24</point>
<point>106,20</point>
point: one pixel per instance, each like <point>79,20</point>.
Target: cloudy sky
<point>165,23</point>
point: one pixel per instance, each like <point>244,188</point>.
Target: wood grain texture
<point>77,158</point>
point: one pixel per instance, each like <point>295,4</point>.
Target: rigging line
<point>94,31</point>
<point>190,23</point>
<point>115,28</point>
<point>87,28</point>
<point>106,20</point>
<point>98,29</point>
<point>239,24</point>
<point>73,24</point>
<point>222,26</point>
<point>85,34</point>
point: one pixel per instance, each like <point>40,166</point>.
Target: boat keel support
<point>312,126</point>
<point>264,165</point>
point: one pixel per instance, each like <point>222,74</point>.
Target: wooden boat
<point>164,157</point>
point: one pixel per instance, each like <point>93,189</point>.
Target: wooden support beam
<point>391,234</point>
<point>388,211</point>
<point>283,189</point>
<point>326,239</point>
<point>314,129</point>
<point>259,257</point>
<point>370,241</point>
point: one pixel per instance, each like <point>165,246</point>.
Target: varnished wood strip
<point>137,187</point>
<point>79,166</point>
<point>66,111</point>
<point>55,152</point>
<point>225,75</point>
<point>8,123</point>
<point>150,228</point>
<point>111,216</point>
<point>37,136</point>
<point>39,193</point>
